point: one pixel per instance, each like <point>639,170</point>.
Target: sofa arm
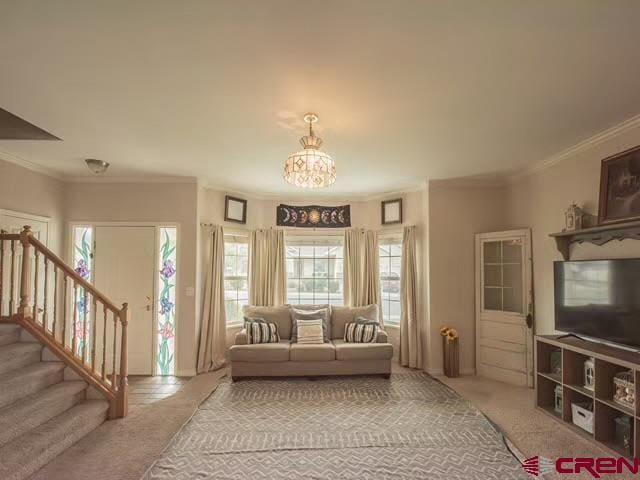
<point>382,337</point>
<point>241,337</point>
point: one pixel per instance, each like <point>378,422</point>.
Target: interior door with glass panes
<point>504,307</point>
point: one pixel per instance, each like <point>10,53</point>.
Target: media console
<point>608,361</point>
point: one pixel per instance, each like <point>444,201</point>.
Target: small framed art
<point>235,209</point>
<point>391,211</point>
<point>620,187</point>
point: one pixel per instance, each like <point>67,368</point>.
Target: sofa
<point>287,359</point>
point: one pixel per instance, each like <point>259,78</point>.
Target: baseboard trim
<point>440,371</point>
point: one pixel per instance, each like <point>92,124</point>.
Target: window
<point>83,266</point>
<point>166,298</point>
<point>314,270</point>
<point>390,258</point>
<point>236,282</point>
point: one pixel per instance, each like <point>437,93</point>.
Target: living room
<point>232,206</point>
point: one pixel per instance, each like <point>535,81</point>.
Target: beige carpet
<point>125,449</point>
<point>533,432</point>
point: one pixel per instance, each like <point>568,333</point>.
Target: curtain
<point>410,331</point>
<point>213,329</point>
<point>360,270</point>
<point>267,268</point>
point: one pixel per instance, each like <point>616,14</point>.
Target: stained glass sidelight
<point>83,266</point>
<point>166,316</point>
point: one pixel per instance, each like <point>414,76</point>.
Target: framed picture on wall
<point>235,209</point>
<point>620,187</point>
<point>391,211</point>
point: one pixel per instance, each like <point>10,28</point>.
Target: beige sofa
<point>294,359</point>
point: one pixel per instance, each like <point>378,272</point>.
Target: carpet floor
<point>408,427</point>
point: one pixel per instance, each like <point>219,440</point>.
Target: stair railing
<point>67,314</point>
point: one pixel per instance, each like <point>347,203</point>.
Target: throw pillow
<point>310,331</point>
<point>366,321</point>
<point>310,315</point>
<point>360,333</point>
<point>261,332</point>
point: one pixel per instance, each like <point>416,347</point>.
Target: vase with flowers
<point>450,351</point>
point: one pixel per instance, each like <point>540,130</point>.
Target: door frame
<point>156,293</point>
<point>29,216</point>
<point>528,298</point>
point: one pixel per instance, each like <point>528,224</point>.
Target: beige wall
<point>539,201</point>
<point>151,203</point>
<point>30,192</point>
<point>456,213</point>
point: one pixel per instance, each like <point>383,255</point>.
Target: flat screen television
<point>599,299</point>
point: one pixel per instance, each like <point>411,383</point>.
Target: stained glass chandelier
<point>310,168</point>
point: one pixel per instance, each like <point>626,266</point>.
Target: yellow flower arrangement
<point>444,330</point>
<point>452,334</point>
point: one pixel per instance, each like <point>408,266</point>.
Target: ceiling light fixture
<point>310,168</point>
<point>97,166</point>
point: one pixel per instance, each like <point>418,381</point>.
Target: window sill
<point>236,325</point>
<point>392,327</point>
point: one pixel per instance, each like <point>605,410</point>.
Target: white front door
<point>124,265</point>
<point>504,307</point>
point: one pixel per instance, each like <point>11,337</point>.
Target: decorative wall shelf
<point>596,235</point>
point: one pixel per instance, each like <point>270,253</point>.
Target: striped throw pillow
<point>360,333</point>
<point>310,331</point>
<point>261,332</point>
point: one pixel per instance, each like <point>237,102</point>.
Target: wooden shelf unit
<point>608,361</point>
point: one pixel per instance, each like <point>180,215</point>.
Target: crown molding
<point>298,198</point>
<point>34,167</point>
<point>583,146</point>
<point>131,179</point>
<point>494,181</point>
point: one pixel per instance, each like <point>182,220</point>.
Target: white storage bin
<point>582,416</point>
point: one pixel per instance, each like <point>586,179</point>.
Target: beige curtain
<point>213,329</point>
<point>267,268</point>
<point>361,271</point>
<point>410,331</point>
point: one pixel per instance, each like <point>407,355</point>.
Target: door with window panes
<point>504,307</point>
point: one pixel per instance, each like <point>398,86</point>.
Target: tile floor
<point>144,390</point>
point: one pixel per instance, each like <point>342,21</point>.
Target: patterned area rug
<point>408,427</point>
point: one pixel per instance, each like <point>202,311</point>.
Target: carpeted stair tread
<point>32,411</point>
<point>25,381</point>
<point>9,333</point>
<point>18,355</point>
<point>29,452</point>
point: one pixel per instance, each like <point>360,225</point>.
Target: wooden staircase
<point>63,356</point>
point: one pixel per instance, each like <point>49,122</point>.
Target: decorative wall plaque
<point>313,216</point>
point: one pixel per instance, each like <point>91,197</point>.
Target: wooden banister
<point>88,330</point>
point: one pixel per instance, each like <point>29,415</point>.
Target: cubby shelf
<point>569,375</point>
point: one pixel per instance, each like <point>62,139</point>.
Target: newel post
<point>25,279</point>
<point>122,398</point>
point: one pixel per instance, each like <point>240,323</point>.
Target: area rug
<point>408,427</point>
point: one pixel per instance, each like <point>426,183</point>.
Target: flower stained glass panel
<point>83,266</point>
<point>166,308</point>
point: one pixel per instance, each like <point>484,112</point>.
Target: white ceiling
<point>405,90</point>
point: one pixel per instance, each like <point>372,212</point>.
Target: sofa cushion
<point>278,315</point>
<point>323,352</point>
<point>261,352</point>
<point>322,314</point>
<point>340,316</point>
<point>362,351</point>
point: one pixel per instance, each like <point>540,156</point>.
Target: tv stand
<point>608,361</point>
<point>570,335</point>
